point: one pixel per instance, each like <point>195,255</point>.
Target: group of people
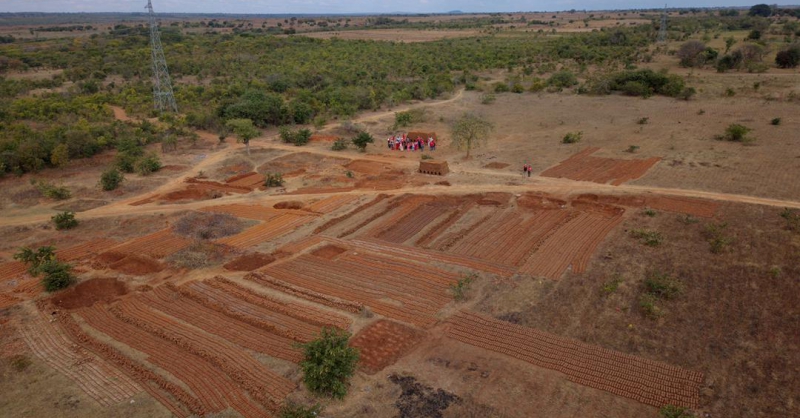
<point>406,143</point>
<point>527,169</point>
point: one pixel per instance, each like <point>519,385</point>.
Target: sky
<point>350,6</point>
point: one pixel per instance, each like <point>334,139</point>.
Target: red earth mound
<point>289,205</point>
<point>384,342</point>
<point>88,293</point>
<point>249,262</point>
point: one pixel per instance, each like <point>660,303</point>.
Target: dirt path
<point>557,186</point>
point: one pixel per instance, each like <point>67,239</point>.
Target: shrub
<point>775,121</point>
<point>362,140</point>
<point>51,191</point>
<point>672,411</point>
<point>111,179</point>
<point>426,157</point>
<point>648,238</point>
<point>636,88</point>
<point>687,93</point>
<point>273,180</point>
<point>715,234</point>
<point>207,226</point>
<point>572,137</point>
<point>611,286</point>
<point>562,79</point>
<point>328,363</point>
<point>148,165</point>
<point>461,287</point>
<point>662,286</point>
<point>293,410</point>
<point>691,54</point>
<point>792,219</point>
<point>298,138</point>
<point>34,259</point>
<point>647,305</point>
<point>65,220</point>
<point>407,118</point>
<point>789,57</point>
<point>736,133</point>
<point>56,275</point>
<point>538,85</point>
<point>488,98</point>
<point>650,212</point>
<point>640,82</point>
<point>643,121</point>
<point>632,149</point>
<point>339,145</point>
<point>500,87</point>
<point>125,162</point>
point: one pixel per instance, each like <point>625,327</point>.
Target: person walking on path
<point>530,170</point>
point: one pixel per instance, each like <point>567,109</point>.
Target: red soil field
<point>255,212</point>
<point>384,342</point>
<point>328,252</point>
<point>250,181</point>
<point>88,293</point>
<point>303,293</point>
<point>323,138</point>
<point>249,262</point>
<point>637,378</point>
<point>335,221</point>
<point>366,167</point>
<point>137,265</point>
<point>583,167</point>
<point>392,287</point>
<point>99,379</point>
<point>157,245</point>
<point>685,205</point>
<point>331,204</point>
<point>277,227</point>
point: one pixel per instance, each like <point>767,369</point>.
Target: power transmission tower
<point>662,30</point>
<point>163,97</point>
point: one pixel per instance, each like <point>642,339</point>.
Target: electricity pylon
<point>163,97</point>
<point>662,30</point>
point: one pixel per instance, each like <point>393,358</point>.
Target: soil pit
<point>249,262</point>
<point>329,252</point>
<point>137,265</point>
<point>496,165</point>
<point>289,205</point>
<point>88,293</point>
<point>383,343</point>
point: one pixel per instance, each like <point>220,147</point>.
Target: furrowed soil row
<point>327,225</point>
<point>301,245</point>
<point>303,293</point>
<point>12,269</point>
<point>267,231</point>
<point>427,256</point>
<point>413,223</point>
<point>543,223</point>
<point>211,321</point>
<point>570,245</point>
<point>205,381</point>
<point>495,227</point>
<point>383,342</point>
<point>395,203</point>
<point>173,397</point>
<point>86,249</point>
<point>244,371</point>
<point>98,379</point>
<point>331,204</point>
<point>302,312</point>
<point>432,234</point>
<point>644,380</point>
<point>255,212</point>
<point>397,212</point>
<point>448,241</point>
<point>233,313</point>
<point>378,302</point>
<point>7,300</point>
<point>584,167</point>
<point>157,245</point>
<point>287,325</point>
<point>250,181</point>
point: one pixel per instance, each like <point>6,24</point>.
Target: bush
<point>636,88</point>
<point>362,140</point>
<point>672,411</point>
<point>65,220</point>
<point>500,87</point>
<point>775,121</point>
<point>648,238</point>
<point>111,179</point>
<point>125,162</point>
<point>298,138</point>
<point>461,287</point>
<point>662,286</point>
<point>789,57</point>
<point>328,363</point>
<point>273,180</point>
<point>339,145</point>
<point>691,54</point>
<point>647,305</point>
<point>639,83</point>
<point>207,226</point>
<point>715,234</point>
<point>572,137</point>
<point>56,275</point>
<point>148,165</point>
<point>50,191</point>
<point>687,93</point>
<point>632,149</point>
<point>792,219</point>
<point>562,79</point>
<point>488,98</point>
<point>736,133</point>
<point>34,259</point>
<point>643,121</point>
<point>293,410</point>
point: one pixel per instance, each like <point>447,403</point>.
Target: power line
<point>163,97</point>
<point>662,30</point>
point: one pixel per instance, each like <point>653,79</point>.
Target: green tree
<point>56,275</point>
<point>34,258</point>
<point>111,179</point>
<point>362,140</point>
<point>64,220</point>
<point>470,131</point>
<point>244,131</point>
<point>729,43</point>
<point>763,10</point>
<point>60,155</point>
<point>328,363</point>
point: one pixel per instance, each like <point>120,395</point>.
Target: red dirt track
<point>637,378</point>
